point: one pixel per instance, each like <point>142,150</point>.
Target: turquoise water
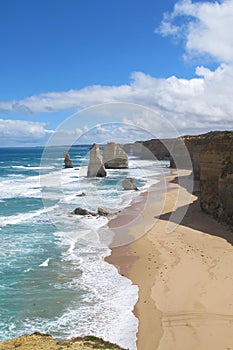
<point>52,274</point>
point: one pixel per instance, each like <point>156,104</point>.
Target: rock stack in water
<point>96,167</point>
<point>114,157</point>
<point>67,160</point>
<point>128,184</point>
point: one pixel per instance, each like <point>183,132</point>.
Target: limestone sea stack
<point>96,167</point>
<point>114,157</point>
<point>128,184</point>
<point>67,160</point>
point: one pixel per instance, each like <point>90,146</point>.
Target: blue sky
<point>60,57</point>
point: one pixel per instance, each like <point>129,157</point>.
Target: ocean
<point>53,277</point>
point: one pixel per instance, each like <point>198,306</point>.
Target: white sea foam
<point>72,247</point>
<point>45,263</point>
<point>15,175</point>
<point>23,217</point>
<point>28,167</point>
<point>28,270</point>
<point>26,187</point>
<point>112,299</point>
<point>105,309</point>
<point>29,186</point>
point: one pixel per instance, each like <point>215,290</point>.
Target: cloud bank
<point>193,106</point>
<point>206,28</point>
<point>16,132</point>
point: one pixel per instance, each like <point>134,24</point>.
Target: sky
<point>91,70</point>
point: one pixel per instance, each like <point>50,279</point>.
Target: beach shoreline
<point>134,222</point>
<point>184,278</point>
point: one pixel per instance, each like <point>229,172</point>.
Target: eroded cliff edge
<point>216,178</point>
<point>211,155</point>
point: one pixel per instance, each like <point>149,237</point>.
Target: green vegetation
<point>38,341</point>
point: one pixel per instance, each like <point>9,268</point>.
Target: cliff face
<point>216,177</point>
<point>114,157</point>
<point>211,155</point>
<point>195,146</point>
<point>151,149</point>
<point>172,150</point>
<point>96,167</point>
<point>164,149</point>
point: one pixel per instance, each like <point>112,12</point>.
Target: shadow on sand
<point>196,219</point>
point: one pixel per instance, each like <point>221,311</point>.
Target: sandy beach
<point>185,277</point>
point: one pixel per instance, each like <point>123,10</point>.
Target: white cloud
<point>206,28</point>
<point>187,103</point>
<point>20,132</point>
<point>192,105</point>
<point>73,99</point>
<point>118,132</point>
<point>14,132</point>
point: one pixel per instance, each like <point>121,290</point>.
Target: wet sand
<point>185,277</point>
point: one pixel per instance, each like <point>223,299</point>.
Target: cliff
<point>172,150</point>
<point>38,341</point>
<point>211,155</point>
<point>151,149</point>
<point>96,167</point>
<point>196,145</point>
<point>114,157</point>
<point>216,177</point>
<point>164,149</point>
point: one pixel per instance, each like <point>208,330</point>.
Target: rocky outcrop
<point>103,212</point>
<point>83,212</point>
<point>96,167</point>
<point>82,194</point>
<point>114,157</point>
<point>38,341</point>
<point>128,184</point>
<point>67,160</point>
<point>216,177</point>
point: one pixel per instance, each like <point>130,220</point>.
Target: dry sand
<point>185,278</point>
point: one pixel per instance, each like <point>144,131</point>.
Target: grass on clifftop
<point>38,341</point>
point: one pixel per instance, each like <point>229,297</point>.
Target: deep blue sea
<point>53,277</point>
